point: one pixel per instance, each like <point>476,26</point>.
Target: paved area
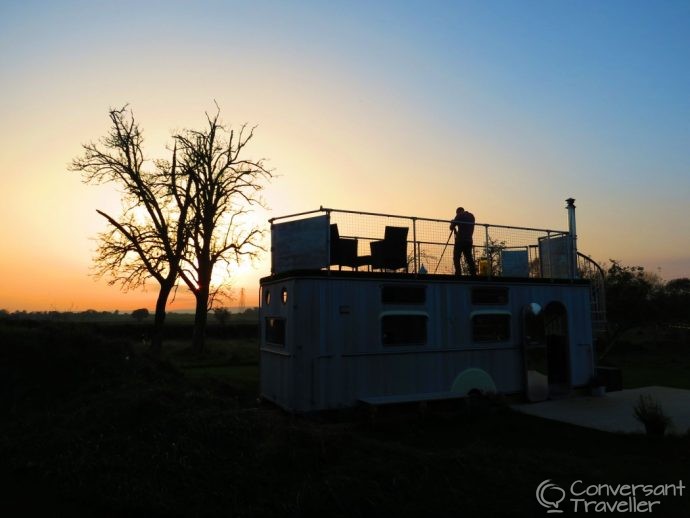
<point>614,411</point>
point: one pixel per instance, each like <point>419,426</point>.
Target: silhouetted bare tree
<point>148,238</point>
<point>225,187</point>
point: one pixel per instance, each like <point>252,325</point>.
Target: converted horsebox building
<point>364,307</point>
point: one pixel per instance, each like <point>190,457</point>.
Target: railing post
<point>414,245</point>
<point>328,237</point>
<point>486,251</point>
<point>273,259</point>
<point>548,254</point>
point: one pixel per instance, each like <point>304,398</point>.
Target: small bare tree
<point>225,187</point>
<point>148,238</point>
<point>140,314</point>
<point>491,253</point>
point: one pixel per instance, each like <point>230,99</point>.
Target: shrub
<point>650,413</point>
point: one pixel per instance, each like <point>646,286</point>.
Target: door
<point>534,349</point>
<point>557,349</point>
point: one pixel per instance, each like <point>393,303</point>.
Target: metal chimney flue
<point>572,231</point>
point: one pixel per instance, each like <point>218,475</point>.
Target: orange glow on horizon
<point>78,291</point>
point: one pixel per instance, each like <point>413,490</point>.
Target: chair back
<point>343,251</point>
<point>391,253</point>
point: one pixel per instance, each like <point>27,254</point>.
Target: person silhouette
<point>463,227</point>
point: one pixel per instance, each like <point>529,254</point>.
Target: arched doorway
<point>546,351</point>
<point>534,353</point>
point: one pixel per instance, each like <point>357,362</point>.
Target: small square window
<point>275,331</point>
<point>403,329</point>
<point>491,327</point>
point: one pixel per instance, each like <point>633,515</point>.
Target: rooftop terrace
<point>327,239</point>
<point>334,238</point>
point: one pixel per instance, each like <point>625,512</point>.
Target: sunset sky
<point>504,107</point>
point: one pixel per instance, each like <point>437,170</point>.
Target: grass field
<point>91,425</point>
<point>651,357</point>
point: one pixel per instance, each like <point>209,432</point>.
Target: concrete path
<point>614,411</point>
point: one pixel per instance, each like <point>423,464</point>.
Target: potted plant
<point>650,413</point>
<point>597,385</point>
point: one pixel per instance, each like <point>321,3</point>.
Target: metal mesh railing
<point>498,250</point>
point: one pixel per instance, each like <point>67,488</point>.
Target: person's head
<point>459,210</point>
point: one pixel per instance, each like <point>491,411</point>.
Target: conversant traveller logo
<point>606,498</point>
<point>550,495</point>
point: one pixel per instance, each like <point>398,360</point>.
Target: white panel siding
<point>334,355</point>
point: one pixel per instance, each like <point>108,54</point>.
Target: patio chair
<point>343,250</point>
<point>391,252</point>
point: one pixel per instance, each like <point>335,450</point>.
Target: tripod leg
<point>444,251</point>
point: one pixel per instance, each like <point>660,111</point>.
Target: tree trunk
<point>204,269</point>
<point>200,318</point>
<point>159,318</point>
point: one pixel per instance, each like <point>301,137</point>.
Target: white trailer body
<point>333,339</point>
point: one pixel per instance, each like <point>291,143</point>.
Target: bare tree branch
<point>224,187</point>
<point>138,246</point>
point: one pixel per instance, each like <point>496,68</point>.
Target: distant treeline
<point>116,324</point>
<point>636,297</point>
<point>91,315</point>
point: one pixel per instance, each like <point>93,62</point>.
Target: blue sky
<point>504,107</point>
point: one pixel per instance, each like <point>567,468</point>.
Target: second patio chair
<point>391,252</point>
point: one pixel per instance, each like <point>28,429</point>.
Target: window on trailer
<point>490,327</point>
<point>403,329</point>
<point>275,331</point>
